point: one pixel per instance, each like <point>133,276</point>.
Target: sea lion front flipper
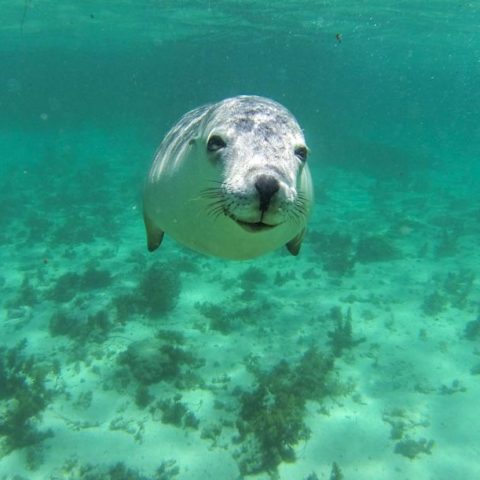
<point>154,234</point>
<point>293,246</point>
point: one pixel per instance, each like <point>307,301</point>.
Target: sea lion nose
<point>266,186</point>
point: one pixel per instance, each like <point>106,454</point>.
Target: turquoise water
<point>358,359</point>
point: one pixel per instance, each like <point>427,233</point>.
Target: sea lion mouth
<point>253,226</point>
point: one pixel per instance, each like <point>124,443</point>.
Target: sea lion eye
<point>301,153</point>
<point>215,143</point>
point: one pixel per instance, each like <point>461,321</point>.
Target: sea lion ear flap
<point>293,246</point>
<point>154,234</point>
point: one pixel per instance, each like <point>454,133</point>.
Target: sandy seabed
<point>121,364</point>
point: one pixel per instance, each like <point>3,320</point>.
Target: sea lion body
<point>230,180</point>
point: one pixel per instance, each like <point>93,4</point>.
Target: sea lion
<point>230,179</point>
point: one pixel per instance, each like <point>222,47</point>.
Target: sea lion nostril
<point>266,187</point>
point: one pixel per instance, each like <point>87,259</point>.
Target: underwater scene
<point>349,350</point>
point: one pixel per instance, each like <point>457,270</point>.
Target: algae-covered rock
<point>175,412</point>
<point>159,289</point>
<point>434,303</point>
<point>472,329</point>
<point>336,252</point>
<point>153,360</point>
<point>376,248</point>
<point>156,294</point>
<point>168,470</point>
<point>81,326</point>
<point>68,285</point>
<point>23,397</point>
<point>455,290</point>
<point>411,448</point>
<point>271,416</point>
<point>341,338</point>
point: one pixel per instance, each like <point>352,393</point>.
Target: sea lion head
<point>259,150</point>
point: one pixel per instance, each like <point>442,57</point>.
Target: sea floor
<point>360,357</point>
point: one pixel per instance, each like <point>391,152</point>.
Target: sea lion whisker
<point>212,195</point>
<point>211,190</point>
<point>216,208</point>
<point>215,205</point>
<point>295,216</point>
<point>298,212</point>
<point>218,212</point>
